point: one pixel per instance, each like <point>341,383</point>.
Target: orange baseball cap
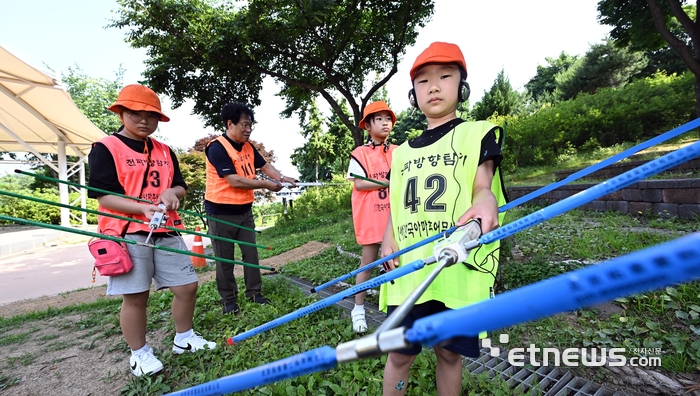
<point>137,97</point>
<point>439,52</point>
<point>376,107</point>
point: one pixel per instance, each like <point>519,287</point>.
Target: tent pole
<point>83,200</point>
<point>63,188</point>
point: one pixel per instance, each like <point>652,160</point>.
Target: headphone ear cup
<point>412,98</point>
<point>464,91</point>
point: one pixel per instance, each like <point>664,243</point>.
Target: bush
<point>43,212</point>
<point>636,112</point>
<point>330,199</point>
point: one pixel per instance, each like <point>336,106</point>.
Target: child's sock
<point>180,336</point>
<point>141,350</point>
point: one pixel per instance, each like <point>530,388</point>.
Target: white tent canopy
<point>37,115</point>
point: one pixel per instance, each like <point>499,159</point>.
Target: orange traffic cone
<point>198,247</point>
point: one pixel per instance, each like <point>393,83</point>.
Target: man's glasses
<point>247,125</point>
<point>150,117</point>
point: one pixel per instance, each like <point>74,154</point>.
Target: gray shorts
<point>164,268</point>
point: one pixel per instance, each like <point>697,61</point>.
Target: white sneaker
<point>145,363</point>
<point>192,343</point>
<point>359,324</point>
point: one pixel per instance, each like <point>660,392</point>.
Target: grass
<point>544,175</point>
<point>668,319</point>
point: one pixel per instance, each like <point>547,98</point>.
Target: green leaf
<point>337,389</point>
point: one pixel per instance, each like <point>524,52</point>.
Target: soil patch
<point>70,355</point>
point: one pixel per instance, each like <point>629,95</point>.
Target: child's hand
<point>484,210</point>
<point>149,210</point>
<point>390,247</point>
<point>169,199</point>
<point>484,205</point>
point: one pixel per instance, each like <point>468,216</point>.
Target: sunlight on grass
<point>544,175</point>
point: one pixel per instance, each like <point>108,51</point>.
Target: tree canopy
<point>603,66</point>
<point>215,52</point>
<point>501,99</point>
<point>544,82</point>
<point>94,95</point>
<point>676,26</point>
<point>312,159</point>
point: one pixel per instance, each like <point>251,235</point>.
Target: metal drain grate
<point>548,381</point>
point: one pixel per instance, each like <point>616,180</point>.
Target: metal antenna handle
<point>402,310</point>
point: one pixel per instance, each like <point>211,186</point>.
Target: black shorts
<point>465,346</point>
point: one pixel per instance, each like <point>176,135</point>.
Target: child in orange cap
<point>131,163</point>
<point>444,177</point>
<point>370,201</point>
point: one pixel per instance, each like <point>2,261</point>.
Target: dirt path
<point>59,356</point>
<point>307,250</point>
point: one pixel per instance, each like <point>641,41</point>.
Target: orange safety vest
<point>218,189</point>
<point>131,167</point>
<point>370,209</point>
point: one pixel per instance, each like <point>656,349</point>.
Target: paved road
<point>50,271</point>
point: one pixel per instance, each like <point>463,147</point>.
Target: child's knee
<point>399,360</point>
<point>448,357</point>
<point>188,291</point>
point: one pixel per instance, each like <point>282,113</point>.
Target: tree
<point>215,52</point>
<point>603,66</point>
<point>501,99</point>
<point>676,26</point>
<point>544,82</point>
<point>409,124</point>
<point>312,159</point>
<point>193,168</point>
<point>94,95</point>
<point>342,142</point>
<point>382,93</point>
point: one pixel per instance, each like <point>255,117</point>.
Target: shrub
<point>636,112</point>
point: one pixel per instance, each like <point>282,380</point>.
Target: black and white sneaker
<point>146,363</point>
<point>192,343</point>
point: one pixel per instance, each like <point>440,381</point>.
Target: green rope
<point>129,241</point>
<point>99,190</point>
<point>369,180</point>
<point>131,219</point>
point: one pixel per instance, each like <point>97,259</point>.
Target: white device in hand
<point>460,242</point>
<point>156,221</point>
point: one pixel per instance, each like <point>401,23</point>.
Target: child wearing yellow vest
<point>370,201</point>
<point>129,162</point>
<point>445,177</point>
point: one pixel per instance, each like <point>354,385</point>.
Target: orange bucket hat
<point>376,107</point>
<point>137,97</point>
<point>439,52</point>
